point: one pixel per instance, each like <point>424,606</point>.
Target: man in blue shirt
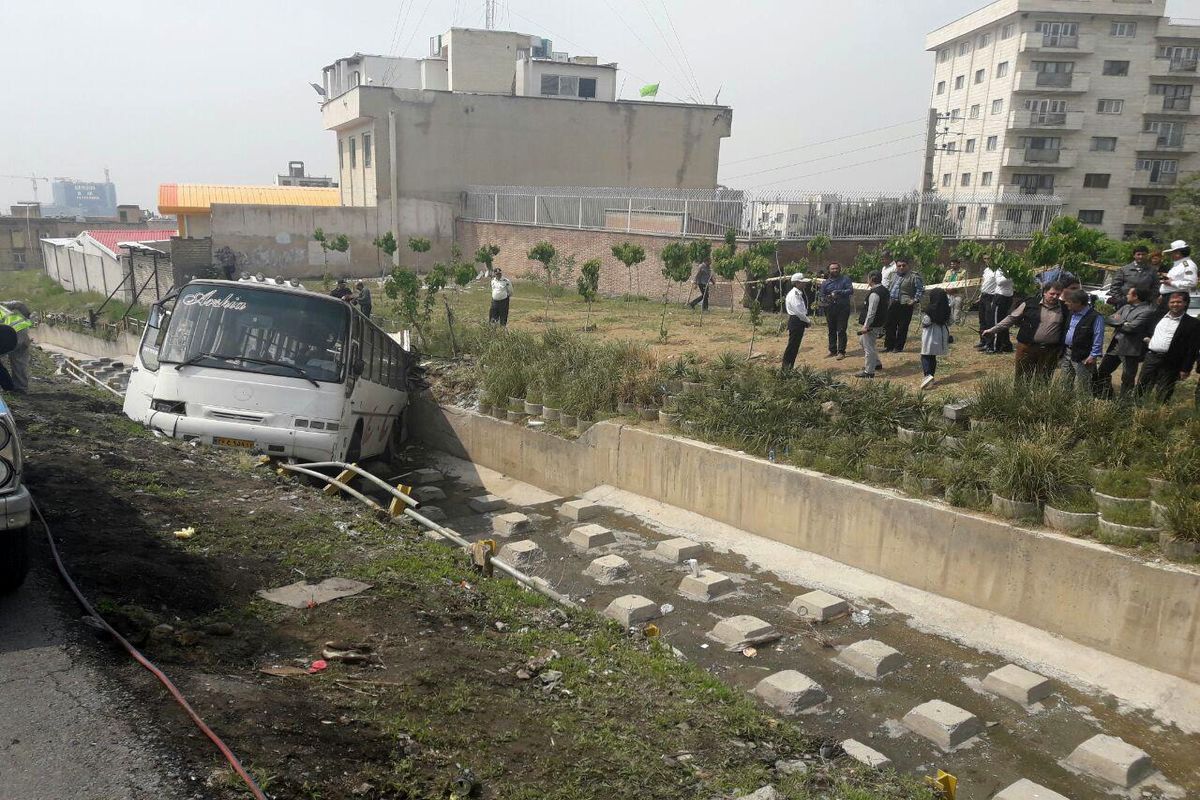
<point>836,294</point>
<point>1083,343</point>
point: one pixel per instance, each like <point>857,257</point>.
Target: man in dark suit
<point>1172,349</point>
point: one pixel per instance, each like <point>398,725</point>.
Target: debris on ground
<point>302,594</point>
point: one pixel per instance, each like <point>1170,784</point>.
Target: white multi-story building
<point>1089,100</point>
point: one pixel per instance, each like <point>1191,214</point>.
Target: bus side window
<point>385,367</point>
<point>368,352</point>
<point>156,328</point>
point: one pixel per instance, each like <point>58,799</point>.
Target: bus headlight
<point>5,434</point>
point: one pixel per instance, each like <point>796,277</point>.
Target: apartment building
<point>1089,100</point>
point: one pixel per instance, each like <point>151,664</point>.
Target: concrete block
<point>608,569</point>
<point>485,503</point>
<point>580,510</point>
<point>945,725</point>
<point>957,412</point>
<point>428,494</point>
<point>860,752</point>
<point>871,658</point>
<point>510,523</point>
<point>522,553</point>
<point>632,609</point>
<point>679,550</point>
<point>708,585</point>
<point>818,606</point>
<point>742,630</point>
<point>1111,759</point>
<point>424,476</point>
<point>1026,789</point>
<point>1019,685</point>
<point>432,513</point>
<point>586,537</point>
<point>790,691</point>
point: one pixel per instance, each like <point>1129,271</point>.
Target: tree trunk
<point>450,324</point>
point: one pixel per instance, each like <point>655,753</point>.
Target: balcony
<point>1148,179</point>
<point>1045,120</point>
<point>1142,216</point>
<point>1174,68</point>
<point>1161,104</point>
<point>1027,191</point>
<point>1057,43</point>
<point>1052,82</point>
<point>1043,158</point>
<point>1175,142</point>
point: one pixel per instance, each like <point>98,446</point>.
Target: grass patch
<point>45,296</point>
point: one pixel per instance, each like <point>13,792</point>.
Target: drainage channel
<point>597,554</point>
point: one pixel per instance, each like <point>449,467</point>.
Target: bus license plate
<point>227,442</point>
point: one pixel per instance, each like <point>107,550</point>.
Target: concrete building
<point>1089,100</point>
<point>296,177</point>
<point>84,198</point>
<point>497,107</point>
<point>25,227</point>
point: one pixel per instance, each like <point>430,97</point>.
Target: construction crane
<point>33,179</point>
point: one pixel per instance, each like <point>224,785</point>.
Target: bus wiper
<point>299,370</point>
<point>200,356</point>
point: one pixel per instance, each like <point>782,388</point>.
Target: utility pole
<point>489,14</point>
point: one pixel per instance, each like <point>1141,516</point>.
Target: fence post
<point>833,209</point>
<point>581,212</point>
<point>629,216</point>
<point>686,221</point>
<point>535,206</point>
<point>496,207</point>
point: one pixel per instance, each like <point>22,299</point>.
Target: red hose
<point>145,662</point>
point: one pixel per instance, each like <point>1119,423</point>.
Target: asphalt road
<point>67,733</point>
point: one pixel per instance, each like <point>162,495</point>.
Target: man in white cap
<point>797,311</point>
<point>1182,275</point>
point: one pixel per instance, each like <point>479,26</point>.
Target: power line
<point>826,141</point>
<point>682,49</point>
<point>838,169</point>
<point>417,27</point>
<point>824,158</point>
<point>647,48</point>
<point>667,42</point>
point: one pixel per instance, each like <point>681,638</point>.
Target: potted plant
<point>1070,510</point>
<point>1122,490</point>
<point>1025,475</point>
<point>1181,539</point>
<point>1127,527</point>
<point>533,399</point>
<point>669,415</point>
<point>884,463</point>
<point>551,406</point>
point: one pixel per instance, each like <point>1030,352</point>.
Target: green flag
<point>650,90</point>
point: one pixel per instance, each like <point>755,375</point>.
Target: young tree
<point>630,255</point>
<point>320,238</point>
<point>1182,217</point>
<point>818,246</point>
<point>387,245</point>
<point>486,255</point>
<point>677,268</point>
<point>921,250</point>
<point>419,245</point>
<point>756,262</point>
<point>544,253</point>
<point>589,287</point>
<point>416,299</point>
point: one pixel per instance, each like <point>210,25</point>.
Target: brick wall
<point>151,287</point>
<point>190,256</point>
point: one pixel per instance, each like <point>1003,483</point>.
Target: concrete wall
<point>277,240</point>
<point>483,60</point>
<point>1147,613</point>
<point>121,348</point>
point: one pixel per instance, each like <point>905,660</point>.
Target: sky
<point>218,92</point>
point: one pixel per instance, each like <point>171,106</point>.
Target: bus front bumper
<point>275,442</point>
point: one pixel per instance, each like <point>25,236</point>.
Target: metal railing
<point>1055,79</point>
<point>1047,119</point>
<point>1182,65</point>
<point>1177,104</point>
<point>778,215</point>
<point>1060,40</point>
<point>1043,155</point>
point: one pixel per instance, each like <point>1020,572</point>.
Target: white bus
<point>272,368</point>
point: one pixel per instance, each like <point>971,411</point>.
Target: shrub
<point>1031,470</point>
<point>1123,483</point>
<point>1183,513</point>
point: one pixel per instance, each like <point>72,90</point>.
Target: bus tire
<point>397,437</point>
<point>14,559</point>
<point>354,449</point>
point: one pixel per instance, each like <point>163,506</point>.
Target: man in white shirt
<point>797,311</point>
<point>1182,275</point>
<point>1001,306</point>
<point>1173,347</point>
<point>987,296</point>
<point>501,293</point>
<point>889,270</point>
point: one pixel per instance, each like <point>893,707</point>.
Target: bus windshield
<point>258,330</point>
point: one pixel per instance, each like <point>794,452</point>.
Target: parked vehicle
<point>270,367</point>
<point>14,506</point>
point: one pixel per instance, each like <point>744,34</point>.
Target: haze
<point>218,92</point>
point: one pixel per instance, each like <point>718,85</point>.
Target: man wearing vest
<point>1042,327</point>
<point>1171,349</point>
<point>905,292</point>
<point>16,314</point>
<point>870,319</point>
<point>1083,342</point>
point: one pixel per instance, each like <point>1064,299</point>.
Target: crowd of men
<point>359,296</point>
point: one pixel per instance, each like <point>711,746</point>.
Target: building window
<point>951,147</point>
<point>1091,217</point>
<point>1096,180</point>
<point>970,146</point>
<point>1116,68</point>
<point>956,113</point>
<point>985,39</point>
<point>943,55</point>
<point>1104,144</point>
<point>980,75</point>
<point>946,179</point>
<point>1002,69</point>
<point>997,106</point>
<point>1156,166</point>
<point>353,154</point>
<point>1008,31</point>
<point>974,113</point>
<point>965,180</point>
<point>793,218</point>
<point>982,214</point>
<point>1110,106</point>
<point>960,81</point>
<point>941,87</point>
<point>1039,142</point>
<point>985,179</point>
<point>567,86</point>
<point>964,48</point>
<point>962,213</point>
<point>1123,30</point>
<point>366,150</point>
<point>992,143</point>
<point>587,88</point>
<point>341,157</point>
<point>1030,183</point>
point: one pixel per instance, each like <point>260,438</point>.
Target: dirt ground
<point>601,714</point>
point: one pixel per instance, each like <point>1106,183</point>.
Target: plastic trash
<point>318,666</point>
<point>749,652</point>
<point>665,608</point>
<point>185,533</point>
<point>861,617</point>
<point>694,566</point>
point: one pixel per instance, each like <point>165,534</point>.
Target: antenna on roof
<point>489,14</point>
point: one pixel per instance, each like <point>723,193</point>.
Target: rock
<point>818,606</point>
<point>424,476</point>
<point>743,630</point>
<point>587,537</point>
<point>631,609</point>
<point>860,752</point>
<point>218,629</point>
<point>508,524</point>
<point>1026,789</point>
<point>765,793</point>
<point>796,766</point>
<point>485,503</point>
<point>580,510</point>
<point>521,554</point>
<point>427,494</point>
<point>608,569</point>
<point>1111,759</point>
<point>708,585</point>
<point>790,691</point>
<point>161,631</point>
<point>1019,685</point>
<point>679,550</point>
<point>432,513</point>
<point>945,725</point>
<point>871,658</point>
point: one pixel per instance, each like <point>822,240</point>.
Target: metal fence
<point>1004,213</point>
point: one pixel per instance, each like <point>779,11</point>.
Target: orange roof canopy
<point>198,198</point>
